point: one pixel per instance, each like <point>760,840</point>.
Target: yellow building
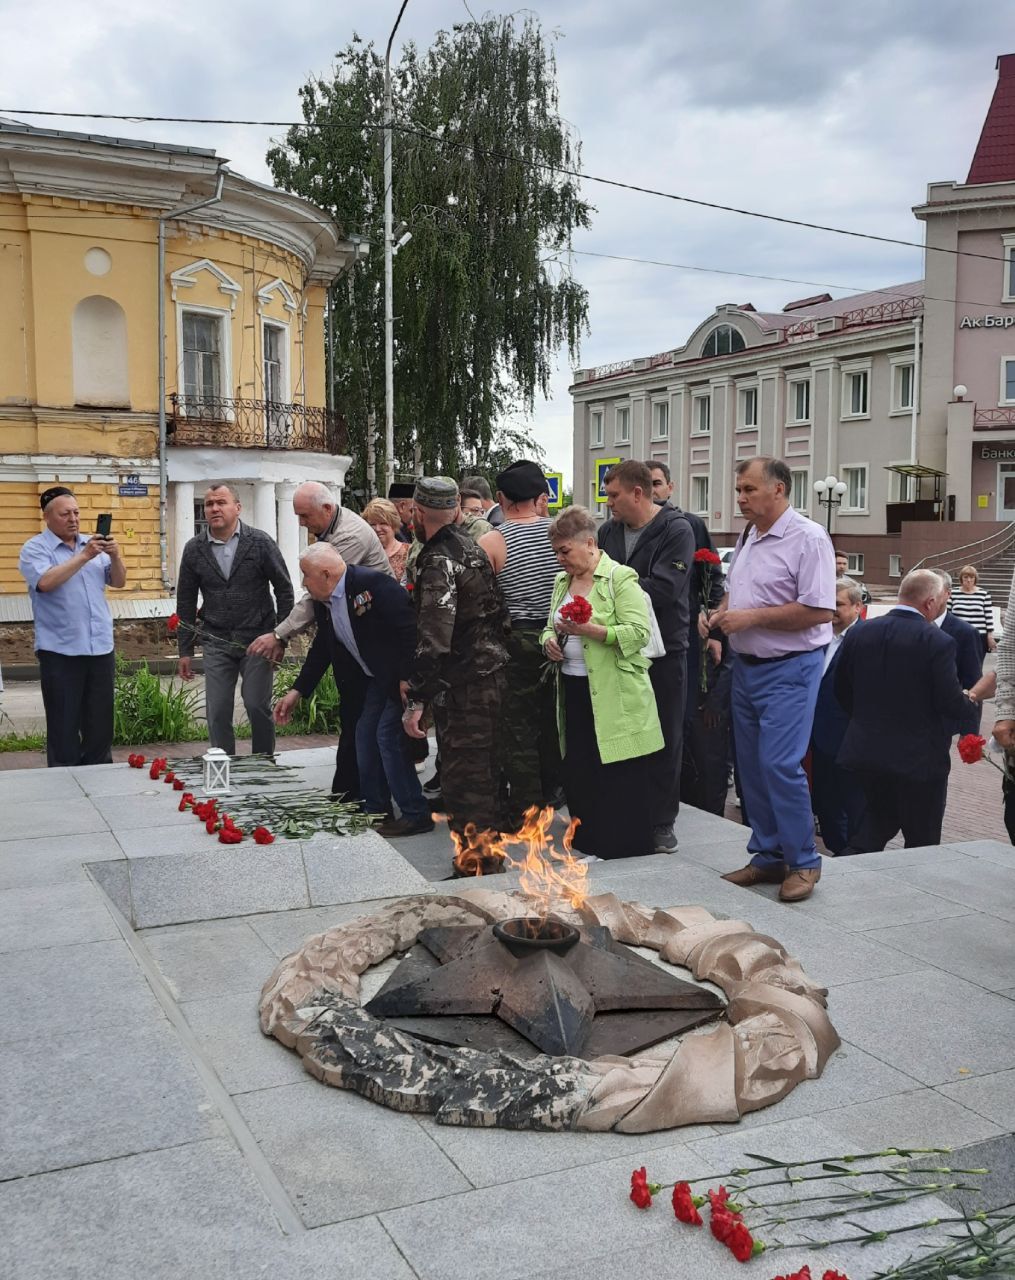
<point>103,248</point>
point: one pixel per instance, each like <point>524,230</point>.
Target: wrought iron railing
<point>223,422</point>
<point>993,419</point>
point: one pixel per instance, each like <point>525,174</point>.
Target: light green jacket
<point>623,704</point>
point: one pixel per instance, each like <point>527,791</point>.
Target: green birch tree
<point>484,297</point>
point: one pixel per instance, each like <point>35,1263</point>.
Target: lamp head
<point>959,391</point>
<point>820,487</point>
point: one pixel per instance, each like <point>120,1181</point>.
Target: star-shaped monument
<point>598,997</point>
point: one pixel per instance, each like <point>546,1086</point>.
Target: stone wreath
<point>777,1031</point>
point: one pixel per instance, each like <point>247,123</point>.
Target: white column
<point>289,532</point>
<point>183,520</point>
<point>264,507</point>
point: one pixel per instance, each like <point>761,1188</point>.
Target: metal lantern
<point>216,772</point>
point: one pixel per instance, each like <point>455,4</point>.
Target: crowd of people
<point>606,666</point>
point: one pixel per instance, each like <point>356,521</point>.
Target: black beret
<point>522,481</point>
<point>401,490</point>
<point>58,491</point>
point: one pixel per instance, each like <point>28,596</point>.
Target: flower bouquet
<point>707,562</point>
<point>578,611</point>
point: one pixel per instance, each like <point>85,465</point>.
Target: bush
<point>144,711</point>
<point>317,714</point>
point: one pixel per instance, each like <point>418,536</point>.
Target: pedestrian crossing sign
<point>555,486</point>
<point>603,465</point>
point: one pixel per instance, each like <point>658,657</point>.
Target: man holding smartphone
<point>67,574</point>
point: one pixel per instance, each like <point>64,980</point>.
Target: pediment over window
<point>186,278</point>
<point>280,287</point>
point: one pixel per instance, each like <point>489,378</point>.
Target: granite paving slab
<point>340,1156</point>
<point>868,900</point>
<point>972,946</point>
<point>120,780</point>
<point>64,817</point>
<point>924,1118</point>
<point>894,859</point>
<point>24,786</point>
<point>228,1031</point>
<point>91,984</point>
<point>52,860</point>
<point>158,841</point>
<point>928,1024</point>
<point>523,1227</point>
<point>354,868</point>
<point>977,883</point>
<point>234,880</point>
<point>53,916</point>
<point>992,1096</point>
<point>97,1094</point>
<point>190,1213</point>
<point>997,1156</point>
<point>989,850</point>
<point>129,812</point>
<point>211,958</point>
<point>285,931</point>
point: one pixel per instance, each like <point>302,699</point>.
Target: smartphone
<point>104,524</point>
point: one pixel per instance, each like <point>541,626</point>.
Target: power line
<point>616,183</point>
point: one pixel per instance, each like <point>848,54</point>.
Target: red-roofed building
<point>859,387</point>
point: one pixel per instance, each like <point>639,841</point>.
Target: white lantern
<point>216,772</point>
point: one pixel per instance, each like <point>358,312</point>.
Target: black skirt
<point>612,800</point>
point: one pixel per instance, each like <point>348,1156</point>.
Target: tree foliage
<point>483,294</point>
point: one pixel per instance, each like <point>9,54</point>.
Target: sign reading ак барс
<point>987,322</point>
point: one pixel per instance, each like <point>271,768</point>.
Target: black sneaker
<point>664,840</point>
<point>393,828</point>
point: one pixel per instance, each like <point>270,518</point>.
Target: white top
<point>574,658</point>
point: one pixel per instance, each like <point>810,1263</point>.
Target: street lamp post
<point>829,491</point>
<point>389,314</point>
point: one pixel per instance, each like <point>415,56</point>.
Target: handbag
<point>654,646</point>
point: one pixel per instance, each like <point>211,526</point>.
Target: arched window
<point>723,341</point>
<point>99,334</point>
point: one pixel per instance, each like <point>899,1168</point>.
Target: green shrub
<point>317,714</point>
<point>23,742</point>
<point>144,711</point>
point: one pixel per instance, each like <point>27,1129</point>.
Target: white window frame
<point>283,329</point>
<point>804,506</point>
<point>849,372</point>
<point>791,399</point>
<point>898,364</point>
<point>224,316</point>
<point>1008,282</point>
<point>622,411</point>
<point>696,398</point>
<point>895,566</point>
<point>1002,393</point>
<point>701,480</point>
<point>845,510</point>
<point>657,406</point>
<point>854,562</point>
<point>897,482</point>
<point>597,417</point>
<point>743,392</point>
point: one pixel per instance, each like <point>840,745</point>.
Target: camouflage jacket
<point>460,615</point>
<point>474,526</point>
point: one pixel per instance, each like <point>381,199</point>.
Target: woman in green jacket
<point>606,710</point>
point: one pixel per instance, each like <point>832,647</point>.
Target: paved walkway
<point>150,1129</point>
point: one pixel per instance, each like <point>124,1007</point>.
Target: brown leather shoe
<point>799,884</point>
<point>751,874</point>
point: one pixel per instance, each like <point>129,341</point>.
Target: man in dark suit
<point>896,680</point>
<point>968,655</point>
<point>836,795</point>
<point>366,631</point>
<point>232,566</point>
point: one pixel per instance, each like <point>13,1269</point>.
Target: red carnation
<point>155,770</point>
<point>718,1199</point>
<point>186,800</point>
<point>740,1242</point>
<point>803,1274</point>
<point>230,835</point>
<point>169,777</point>
<point>721,1224</point>
<point>706,556</point>
<point>263,836</point>
<point>832,1275</point>
<point>173,623</point>
<point>684,1206</point>
<point>971,747</point>
<point>178,784</point>
<point>578,611</point>
<point>642,1190</point>
<point>212,825</point>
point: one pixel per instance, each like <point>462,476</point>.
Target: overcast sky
<point>837,114</point>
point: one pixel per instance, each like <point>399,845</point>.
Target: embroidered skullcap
<point>439,493</point>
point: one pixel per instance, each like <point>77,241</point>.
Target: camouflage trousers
<point>467,720</point>
<point>530,742</point>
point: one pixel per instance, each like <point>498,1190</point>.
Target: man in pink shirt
<point>777,611</point>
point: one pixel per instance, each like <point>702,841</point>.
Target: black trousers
<point>669,676</point>
<point>612,801</point>
<point>704,779</point>
<point>351,692</point>
<point>77,693</point>
<point>894,804</point>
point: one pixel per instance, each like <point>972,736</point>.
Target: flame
<point>548,875</point>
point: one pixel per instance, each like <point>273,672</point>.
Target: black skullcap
<point>57,491</point>
<point>522,481</point>
<point>401,490</point>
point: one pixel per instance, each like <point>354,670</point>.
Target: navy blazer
<point>830,720</point>
<point>896,680</point>
<point>968,667</point>
<point>384,627</point>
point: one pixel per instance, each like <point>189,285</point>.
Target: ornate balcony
<point>220,422</point>
<point>994,419</point>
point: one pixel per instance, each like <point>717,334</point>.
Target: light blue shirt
<point>225,551</point>
<point>74,618</point>
<point>341,624</point>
